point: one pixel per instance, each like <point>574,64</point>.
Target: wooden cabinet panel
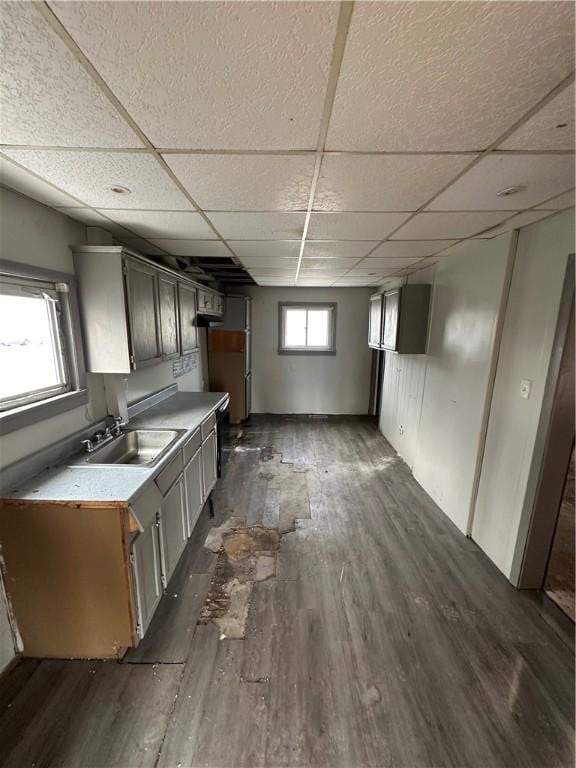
<point>209,468</point>
<point>143,310</point>
<point>375,321</point>
<point>188,329</point>
<point>391,318</point>
<point>173,530</point>
<point>145,557</point>
<point>168,292</point>
<point>194,490</point>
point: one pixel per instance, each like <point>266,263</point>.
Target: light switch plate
<point>525,388</point>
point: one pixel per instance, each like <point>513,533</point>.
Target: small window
<point>32,345</point>
<point>307,328</point>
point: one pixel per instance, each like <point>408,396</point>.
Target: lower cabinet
<point>173,528</point>
<point>209,463</point>
<point>194,490</point>
<point>145,559</point>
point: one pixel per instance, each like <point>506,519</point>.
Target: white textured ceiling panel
<point>164,224</point>
<point>540,176</point>
<point>90,176</point>
<point>11,175</point>
<point>46,96</point>
<point>383,263</point>
<point>385,182</point>
<point>264,263</point>
<point>566,200</point>
<point>142,246</point>
<point>245,182</point>
<point>552,127</point>
<point>199,248</point>
<point>516,222</point>
<point>335,264</point>
<point>265,249</point>
<point>340,225</point>
<point>337,249</point>
<point>212,75</point>
<point>409,250</point>
<point>356,282</point>
<point>446,76</point>
<point>444,226</point>
<point>245,225</point>
<point>94,219</point>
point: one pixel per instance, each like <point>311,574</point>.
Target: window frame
<point>331,306</point>
<point>58,400</point>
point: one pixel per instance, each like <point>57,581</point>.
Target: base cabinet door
<point>209,466</point>
<point>194,490</point>
<point>145,558</point>
<point>173,528</point>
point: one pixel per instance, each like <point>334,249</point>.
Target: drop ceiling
<point>310,143</point>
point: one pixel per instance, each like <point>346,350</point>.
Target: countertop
<point>117,485</point>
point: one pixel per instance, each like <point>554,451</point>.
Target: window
<point>307,329</point>
<point>40,349</point>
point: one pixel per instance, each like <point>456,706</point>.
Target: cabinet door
<point>145,558</point>
<point>143,309</point>
<point>194,491</point>
<point>391,317</point>
<point>188,330</point>
<point>209,471</point>
<point>375,321</point>
<point>168,291</point>
<point>173,533</point>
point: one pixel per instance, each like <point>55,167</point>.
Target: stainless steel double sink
<point>142,447</point>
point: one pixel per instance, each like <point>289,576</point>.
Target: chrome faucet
<point>99,438</point>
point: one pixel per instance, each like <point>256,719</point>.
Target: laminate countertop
<point>115,484</point>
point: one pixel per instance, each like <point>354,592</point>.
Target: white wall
<point>332,384</point>
<point>527,338</point>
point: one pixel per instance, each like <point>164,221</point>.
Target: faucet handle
<point>89,445</point>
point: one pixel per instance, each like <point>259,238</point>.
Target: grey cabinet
<point>146,573</point>
<point>238,313</point>
<point>168,295</point>
<point>210,303</point>
<point>194,490</point>
<point>375,321</point>
<point>209,463</point>
<point>405,323</point>
<point>143,312</point>
<point>173,528</point>
<point>187,309</point>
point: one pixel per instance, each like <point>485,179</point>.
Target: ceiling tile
<point>440,226</point>
<point>541,175</point>
<point>339,225</point>
<point>15,177</point>
<point>370,263</point>
<point>552,127</point>
<point>384,182</point>
<point>246,182</point>
<point>242,225</point>
<point>516,222</point>
<point>142,246</point>
<point>446,76</point>
<point>337,249</point>
<point>93,219</point>
<point>198,75</point>
<point>89,176</point>
<point>356,281</point>
<point>559,203</point>
<point>265,248</point>
<point>198,248</point>
<point>47,97</point>
<point>312,283</point>
<point>280,263</point>
<point>164,224</point>
<point>329,263</point>
<point>417,249</point>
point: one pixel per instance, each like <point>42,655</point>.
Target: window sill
<point>307,352</point>
<point>26,415</point>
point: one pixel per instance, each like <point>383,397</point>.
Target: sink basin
<point>144,447</point>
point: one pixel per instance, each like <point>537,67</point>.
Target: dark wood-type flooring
<point>559,582</point>
<point>386,638</point>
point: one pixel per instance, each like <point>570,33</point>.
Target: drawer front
<point>192,446</point>
<point>169,474</point>
<point>208,425</point>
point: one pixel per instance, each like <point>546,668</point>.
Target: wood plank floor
<point>386,638</point>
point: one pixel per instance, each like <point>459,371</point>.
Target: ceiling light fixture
<point>120,190</point>
<point>510,191</point>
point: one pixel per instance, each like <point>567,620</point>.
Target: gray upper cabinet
<point>188,330</point>
<point>144,313</point>
<point>210,303</point>
<point>134,312</point>
<point>375,321</point>
<point>405,324</point>
<point>168,292</point>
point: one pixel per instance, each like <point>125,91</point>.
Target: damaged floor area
<point>330,615</point>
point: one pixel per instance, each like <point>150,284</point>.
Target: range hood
<point>207,320</point>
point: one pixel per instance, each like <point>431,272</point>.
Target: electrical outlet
<point>525,388</point>
<point>401,429</point>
